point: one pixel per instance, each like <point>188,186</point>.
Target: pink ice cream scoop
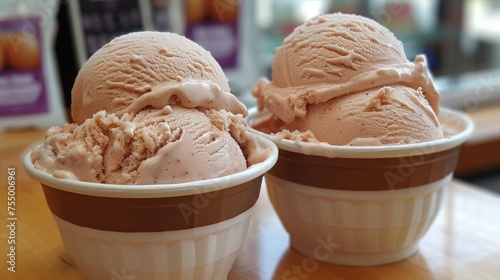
<point>154,67</point>
<point>150,107</point>
<point>345,80</point>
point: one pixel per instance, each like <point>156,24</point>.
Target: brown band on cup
<point>152,214</point>
<point>365,174</point>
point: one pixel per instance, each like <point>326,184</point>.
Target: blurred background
<point>461,39</point>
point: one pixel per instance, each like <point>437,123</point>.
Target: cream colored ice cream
<point>345,80</point>
<point>150,107</point>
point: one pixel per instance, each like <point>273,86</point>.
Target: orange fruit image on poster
<point>196,11</point>
<point>2,55</point>
<point>223,10</point>
<point>21,51</point>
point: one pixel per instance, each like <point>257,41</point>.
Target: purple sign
<point>214,26</point>
<point>22,83</point>
<point>220,39</point>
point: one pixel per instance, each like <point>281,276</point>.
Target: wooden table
<point>480,152</point>
<point>463,243</point>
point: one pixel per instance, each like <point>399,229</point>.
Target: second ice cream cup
<point>364,205</point>
<point>166,231</point>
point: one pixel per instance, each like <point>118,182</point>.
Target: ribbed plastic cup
<point>189,230</point>
<point>363,205</point>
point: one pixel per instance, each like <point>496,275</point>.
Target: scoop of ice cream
<point>332,58</point>
<point>150,69</point>
<point>332,49</point>
<point>391,115</point>
<point>150,107</point>
<point>171,145</point>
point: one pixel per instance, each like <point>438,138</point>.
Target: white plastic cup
<point>361,205</point>
<point>189,230</point>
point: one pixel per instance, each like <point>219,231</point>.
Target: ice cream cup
<point>166,231</point>
<point>362,205</point>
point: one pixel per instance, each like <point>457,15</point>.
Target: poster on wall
<point>214,25</point>
<point>22,83</point>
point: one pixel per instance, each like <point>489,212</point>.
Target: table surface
<point>463,242</point>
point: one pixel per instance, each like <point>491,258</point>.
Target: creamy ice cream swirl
<point>188,93</point>
<point>287,103</point>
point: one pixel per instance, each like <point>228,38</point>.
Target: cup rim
<point>156,190</point>
<point>386,151</point>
